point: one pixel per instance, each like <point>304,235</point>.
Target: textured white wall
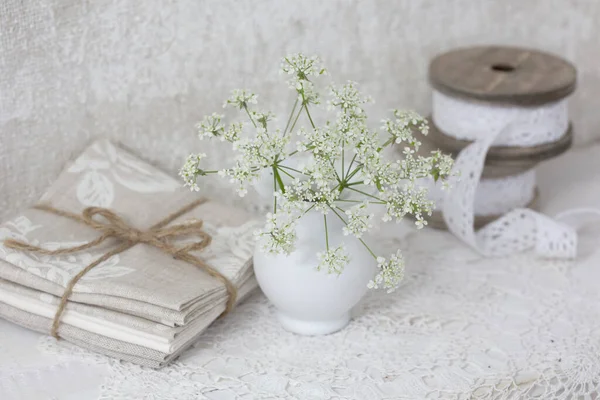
<point>143,72</point>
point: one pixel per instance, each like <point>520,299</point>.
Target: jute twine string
<point>113,226</point>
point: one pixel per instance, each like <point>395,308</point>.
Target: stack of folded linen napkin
<point>142,305</point>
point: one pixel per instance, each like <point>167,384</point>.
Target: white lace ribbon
<point>520,229</point>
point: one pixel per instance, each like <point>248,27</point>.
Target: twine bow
<point>112,225</point>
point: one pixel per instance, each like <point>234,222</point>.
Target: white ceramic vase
<point>308,301</point>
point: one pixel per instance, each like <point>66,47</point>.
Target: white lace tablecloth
<point>460,327</point>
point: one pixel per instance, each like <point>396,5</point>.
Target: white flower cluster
<point>348,99</point>
<point>262,118</point>
<point>279,234</point>
<point>241,99</point>
<point>333,260</point>
<point>210,126</point>
<point>403,127</point>
<point>254,155</point>
<point>342,164</point>
<point>191,170</point>
<point>391,273</point>
<point>302,68</point>
<point>359,221</point>
<point>409,199</point>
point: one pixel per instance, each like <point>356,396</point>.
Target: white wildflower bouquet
<point>341,173</point>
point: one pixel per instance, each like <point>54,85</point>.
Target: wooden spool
<point>506,75</point>
<point>502,74</point>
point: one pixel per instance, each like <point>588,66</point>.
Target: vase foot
<point>313,328</point>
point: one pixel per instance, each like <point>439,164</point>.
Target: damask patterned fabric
<point>123,307</point>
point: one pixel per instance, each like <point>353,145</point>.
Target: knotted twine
<point>113,226</point>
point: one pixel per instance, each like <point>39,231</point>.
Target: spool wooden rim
<point>503,74</point>
<point>436,220</point>
<point>511,158</point>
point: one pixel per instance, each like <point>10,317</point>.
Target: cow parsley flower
<point>241,99</point>
<point>210,126</point>
<point>338,166</point>
<point>348,99</point>
<point>359,221</point>
<point>307,93</point>
<point>241,174</point>
<point>262,118</point>
<point>191,170</point>
<point>302,67</point>
<point>401,129</point>
<point>333,260</point>
<point>279,234</point>
<point>232,134</point>
<point>408,199</point>
<point>391,273</point>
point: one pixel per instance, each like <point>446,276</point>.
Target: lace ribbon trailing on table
<point>520,229</point>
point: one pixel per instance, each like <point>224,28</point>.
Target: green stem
<point>368,248</point>
<point>291,169</point>
<point>343,163</point>
<point>296,120</point>
<point>355,183</point>
<point>366,194</point>
<point>249,116</point>
<point>389,141</point>
<point>285,172</point>
<point>350,166</point>
<point>326,232</point>
<point>348,177</point>
<point>335,172</point>
<point>279,181</point>
<point>360,240</point>
<point>308,209</point>
<point>309,117</point>
<point>274,191</point>
<point>291,116</point>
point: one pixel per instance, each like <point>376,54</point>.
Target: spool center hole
<point>503,67</point>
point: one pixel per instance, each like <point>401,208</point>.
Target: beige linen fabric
<point>166,301</point>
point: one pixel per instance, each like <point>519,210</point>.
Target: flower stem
<point>343,168</point>
<point>355,183</point>
<point>368,248</point>
<point>326,232</point>
<point>348,177</point>
<point>291,169</point>
<point>291,116</point>
<point>274,191</point>
<point>285,172</point>
<point>249,116</point>
<point>278,178</point>
<point>296,120</point>
<point>309,117</point>
<point>350,166</point>
<point>365,193</point>
<point>345,223</point>
<point>389,141</point>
